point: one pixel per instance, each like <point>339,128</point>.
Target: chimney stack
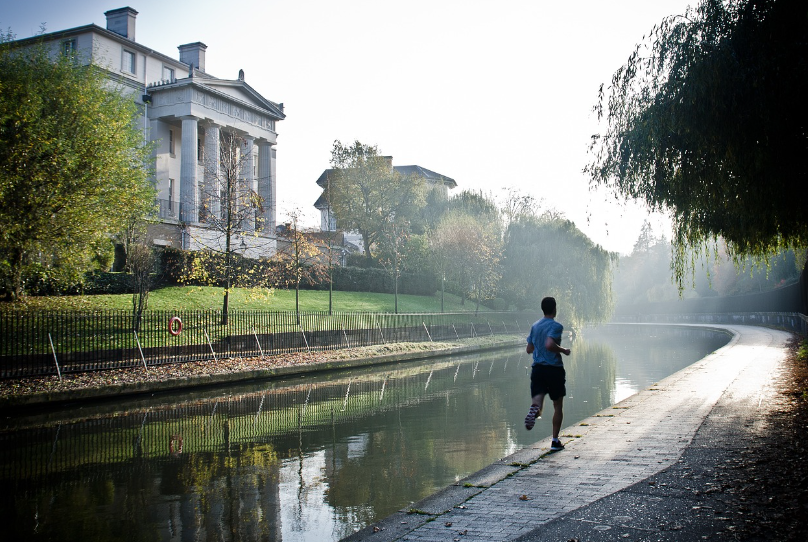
<point>122,21</point>
<point>193,54</point>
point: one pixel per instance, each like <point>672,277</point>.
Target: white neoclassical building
<point>186,112</point>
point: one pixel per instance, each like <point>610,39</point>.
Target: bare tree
<point>301,260</point>
<point>230,210</point>
<point>140,264</point>
<point>393,240</point>
<point>515,204</point>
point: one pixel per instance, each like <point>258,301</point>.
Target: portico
<point>199,111</point>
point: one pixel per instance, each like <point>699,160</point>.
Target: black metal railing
<point>792,321</point>
<point>167,208</point>
<point>46,342</point>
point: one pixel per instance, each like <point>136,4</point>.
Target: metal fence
<point>50,342</point>
<point>792,321</point>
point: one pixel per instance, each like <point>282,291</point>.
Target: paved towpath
<point>591,490</point>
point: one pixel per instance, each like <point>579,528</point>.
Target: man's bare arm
<point>552,346</point>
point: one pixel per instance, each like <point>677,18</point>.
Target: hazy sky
<point>493,94</point>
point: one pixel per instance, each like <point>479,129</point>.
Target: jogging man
<point>547,375</point>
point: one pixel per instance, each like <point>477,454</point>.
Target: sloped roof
<point>274,109</point>
<point>322,202</point>
<point>427,174</point>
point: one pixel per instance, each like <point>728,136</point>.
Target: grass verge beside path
<point>22,391</point>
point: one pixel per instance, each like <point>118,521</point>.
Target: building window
<point>171,210</point>
<point>69,47</point>
<point>129,62</point>
<point>168,74</point>
<point>200,154</point>
<point>171,142</point>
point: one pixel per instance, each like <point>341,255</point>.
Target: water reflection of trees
<point>211,465</point>
<point>591,373</point>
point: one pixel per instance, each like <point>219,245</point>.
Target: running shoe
<point>556,446</point>
<point>532,414</point>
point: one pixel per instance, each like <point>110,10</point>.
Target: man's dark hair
<point>548,305</point>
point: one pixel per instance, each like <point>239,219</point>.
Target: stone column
<point>266,186</point>
<point>189,184</point>
<point>272,220</point>
<point>248,176</point>
<point>213,184</point>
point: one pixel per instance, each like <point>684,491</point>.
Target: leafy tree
<point>644,275</point>
<point>707,120</point>
<point>545,257</point>
<point>367,194</point>
<point>72,167</point>
<point>747,276</point>
<point>435,204</point>
<point>212,268</point>
<point>466,248</point>
<point>646,239</point>
<point>515,204</point>
<point>477,205</point>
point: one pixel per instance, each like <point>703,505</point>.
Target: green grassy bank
<point>203,297</point>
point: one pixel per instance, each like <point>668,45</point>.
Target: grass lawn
<point>205,297</point>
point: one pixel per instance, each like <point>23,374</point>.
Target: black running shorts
<point>549,380</point>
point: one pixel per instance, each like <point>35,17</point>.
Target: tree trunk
<point>17,259</point>
<point>226,304</point>
<point>227,270</point>
<point>442,290</point>
<point>477,307</point>
<point>395,281</point>
<point>297,301</point>
<point>330,283</point>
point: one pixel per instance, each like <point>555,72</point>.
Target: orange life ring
<point>171,328</point>
<point>175,445</point>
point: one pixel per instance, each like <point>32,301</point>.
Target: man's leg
<point>535,411</point>
<point>558,416</point>
<point>538,400</point>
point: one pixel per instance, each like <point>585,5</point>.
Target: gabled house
<point>439,184</point>
<point>185,112</point>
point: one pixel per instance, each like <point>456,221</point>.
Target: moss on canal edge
<point>24,392</point>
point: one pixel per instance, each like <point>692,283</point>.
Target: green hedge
<point>101,282</point>
<point>356,279</point>
<point>350,279</point>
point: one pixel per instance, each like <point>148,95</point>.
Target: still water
<point>308,459</point>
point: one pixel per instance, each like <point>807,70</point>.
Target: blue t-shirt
<point>546,327</point>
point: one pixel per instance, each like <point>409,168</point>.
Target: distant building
<point>185,110</point>
<point>328,223</point>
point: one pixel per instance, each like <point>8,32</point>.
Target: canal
<point>306,459</point>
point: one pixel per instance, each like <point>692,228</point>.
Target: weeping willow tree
<point>707,121</point>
